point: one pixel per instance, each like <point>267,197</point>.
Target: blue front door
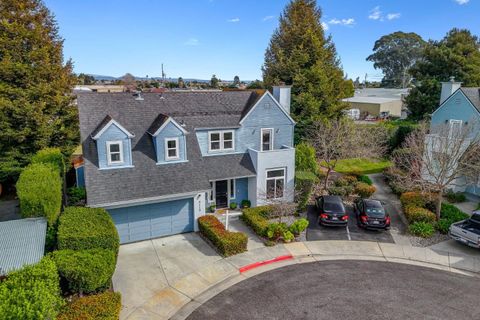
<point>153,220</point>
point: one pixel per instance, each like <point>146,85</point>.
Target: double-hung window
<point>114,152</point>
<point>171,149</point>
<point>275,183</point>
<point>267,139</point>
<point>221,140</point>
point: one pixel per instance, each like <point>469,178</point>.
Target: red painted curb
<point>265,262</point>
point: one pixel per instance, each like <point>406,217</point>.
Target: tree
<point>36,104</point>
<point>440,157</point>
<point>214,82</point>
<point>395,54</point>
<point>129,82</point>
<point>300,55</point>
<point>339,139</point>
<point>257,84</point>
<point>85,79</point>
<point>181,83</point>
<point>236,81</point>
<point>457,55</point>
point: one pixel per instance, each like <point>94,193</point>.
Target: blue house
<point>156,162</point>
<point>459,106</point>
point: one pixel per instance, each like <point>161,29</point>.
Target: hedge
<point>364,190</point>
<point>51,156</point>
<point>419,214</point>
<point>304,182</point>
<point>228,243</point>
<point>85,271</point>
<point>418,199</point>
<point>305,159</point>
<point>39,190</point>
<point>82,228</point>
<point>102,306</point>
<point>257,219</point>
<point>31,293</point>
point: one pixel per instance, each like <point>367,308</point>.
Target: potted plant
<point>233,205</point>
<point>212,207</point>
<point>246,203</point>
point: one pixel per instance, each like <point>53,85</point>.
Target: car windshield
<point>375,211</point>
<point>333,207</point>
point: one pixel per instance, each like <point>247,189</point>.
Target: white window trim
<point>109,158</point>
<point>177,149</point>
<point>271,138</point>
<point>451,124</point>
<point>232,188</point>
<point>284,177</point>
<point>221,134</point>
<point>211,193</point>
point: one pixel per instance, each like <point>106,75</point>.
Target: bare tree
<point>280,198</point>
<point>441,157</point>
<point>342,139</point>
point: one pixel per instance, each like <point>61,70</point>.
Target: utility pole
<point>365,81</point>
<point>163,75</point>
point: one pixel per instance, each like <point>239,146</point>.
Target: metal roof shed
<point>22,242</point>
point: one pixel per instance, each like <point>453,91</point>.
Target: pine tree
<point>299,54</point>
<point>36,104</point>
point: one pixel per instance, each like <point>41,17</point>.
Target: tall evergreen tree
<point>36,105</point>
<point>457,55</point>
<point>299,54</point>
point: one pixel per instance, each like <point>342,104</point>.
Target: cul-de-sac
<point>210,159</point>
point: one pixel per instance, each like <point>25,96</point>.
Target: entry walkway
<point>170,277</point>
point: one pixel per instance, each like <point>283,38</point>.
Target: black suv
<point>331,211</point>
<point>371,214</point>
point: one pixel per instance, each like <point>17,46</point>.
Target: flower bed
<point>228,243</point>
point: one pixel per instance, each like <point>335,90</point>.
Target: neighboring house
<point>378,101</point>
<point>157,161</point>
<point>459,106</point>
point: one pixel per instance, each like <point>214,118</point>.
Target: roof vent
<point>138,96</point>
<point>161,96</point>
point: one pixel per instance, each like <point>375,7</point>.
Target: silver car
<point>467,231</point>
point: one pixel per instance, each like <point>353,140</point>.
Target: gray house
<point>157,161</point>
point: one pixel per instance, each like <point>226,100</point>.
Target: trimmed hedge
<point>256,218</point>
<point>39,190</point>
<point>365,179</point>
<point>419,214</point>
<point>51,156</point>
<point>304,182</point>
<point>364,190</point>
<point>228,243</point>
<point>85,271</point>
<point>103,306</point>
<point>83,228</point>
<point>31,293</point>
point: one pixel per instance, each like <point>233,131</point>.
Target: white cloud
<point>392,16</point>
<point>192,42</point>
<point>343,22</point>
<point>325,26</point>
<point>266,18</point>
<point>375,14</point>
<point>461,2</point>
<point>234,20</point>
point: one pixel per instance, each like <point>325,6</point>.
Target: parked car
<point>467,231</point>
<point>371,214</point>
<point>331,211</point>
<point>353,114</point>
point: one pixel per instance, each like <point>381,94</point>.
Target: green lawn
<point>362,166</point>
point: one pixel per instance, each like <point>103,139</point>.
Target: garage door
<point>153,220</point>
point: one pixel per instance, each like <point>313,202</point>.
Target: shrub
<point>85,271</point>
<point>365,179</point>
<point>102,306</point>
<point>418,199</point>
<point>393,175</point>
<point>212,208</point>
<point>305,159</point>
<point>304,182</point>
<point>39,190</point>
<point>455,197</point>
<point>418,214</point>
<point>246,203</point>
<point>256,218</point>
<point>422,229</point>
<point>31,293</point>
<point>83,228</point>
<point>76,196</point>
<point>233,205</point>
<point>228,243</point>
<point>51,156</point>
<point>288,236</point>
<point>298,226</point>
<point>443,225</point>
<point>364,190</point>
<point>449,214</point>
<point>344,191</point>
<point>276,230</point>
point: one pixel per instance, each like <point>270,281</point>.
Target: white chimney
<point>448,88</point>
<point>282,94</point>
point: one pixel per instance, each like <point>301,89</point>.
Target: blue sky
<point>198,38</point>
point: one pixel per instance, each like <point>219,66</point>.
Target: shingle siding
<point>113,133</point>
<point>170,131</point>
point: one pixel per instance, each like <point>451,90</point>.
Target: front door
<point>221,194</point>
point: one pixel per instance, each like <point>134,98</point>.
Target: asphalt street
<point>347,290</point>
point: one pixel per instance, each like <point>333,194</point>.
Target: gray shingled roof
<point>22,242</point>
<point>473,94</point>
<point>147,179</point>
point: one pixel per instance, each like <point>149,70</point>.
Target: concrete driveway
<point>157,275</point>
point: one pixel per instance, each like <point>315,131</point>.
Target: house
<point>459,106</point>
<point>378,101</point>
<point>156,162</point>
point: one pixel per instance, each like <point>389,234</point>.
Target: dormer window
<point>115,152</point>
<point>221,140</point>
<point>171,149</point>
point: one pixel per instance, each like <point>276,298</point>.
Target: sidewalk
<point>181,293</point>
